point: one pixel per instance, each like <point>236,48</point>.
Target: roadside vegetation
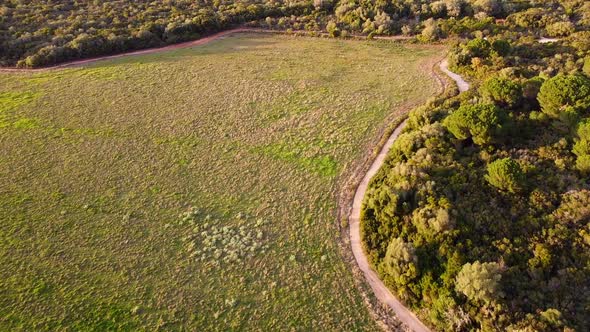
<point>480,219</point>
<point>193,189</point>
<point>40,33</point>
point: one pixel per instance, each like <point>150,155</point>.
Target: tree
<point>505,174</point>
<point>561,91</point>
<point>454,7</point>
<point>480,282</point>
<point>502,91</point>
<point>400,261</point>
<point>586,68</point>
<point>478,48</point>
<point>560,29</point>
<point>431,31</point>
<point>481,122</point>
<point>501,47</point>
<point>490,7</point>
<point>332,29</point>
<point>583,164</point>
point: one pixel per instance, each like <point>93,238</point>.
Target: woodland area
<point>480,217</point>
<point>41,33</point>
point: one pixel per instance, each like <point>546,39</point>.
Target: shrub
<point>586,68</point>
<point>502,91</point>
<point>582,147</point>
<point>583,164</point>
<point>480,282</point>
<point>531,87</point>
<point>332,29</point>
<point>400,261</point>
<point>562,91</point>
<point>479,48</point>
<point>505,174</point>
<point>481,122</point>
<point>501,47</point>
<point>560,29</point>
<point>583,130</point>
<point>431,31</point>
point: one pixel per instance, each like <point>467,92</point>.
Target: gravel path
<point>381,291</point>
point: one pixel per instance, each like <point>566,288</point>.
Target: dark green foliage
<point>582,146</point>
<point>505,174</point>
<point>479,47</point>
<point>44,33</point>
<point>480,122</point>
<point>459,204</point>
<point>502,91</point>
<point>564,91</point>
<point>501,47</point>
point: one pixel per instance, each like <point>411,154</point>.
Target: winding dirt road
<point>381,291</point>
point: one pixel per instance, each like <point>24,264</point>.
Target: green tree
<point>431,31</point>
<point>583,164</point>
<point>332,29</point>
<point>400,261</point>
<point>561,91</point>
<point>481,122</point>
<point>505,174</point>
<point>501,47</point>
<point>478,47</point>
<point>586,68</point>
<point>480,282</point>
<point>560,29</point>
<point>502,91</point>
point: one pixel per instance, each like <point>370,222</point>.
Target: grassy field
<point>192,189</point>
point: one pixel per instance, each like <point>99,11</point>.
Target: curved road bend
<point>381,291</point>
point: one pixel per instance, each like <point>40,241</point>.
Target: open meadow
<point>193,189</point>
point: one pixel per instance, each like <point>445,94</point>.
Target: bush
<point>431,31</point>
<point>478,48</point>
<point>502,91</point>
<point>583,130</point>
<point>505,174</point>
<point>480,282</point>
<point>400,261</point>
<point>583,164</point>
<point>481,122</point>
<point>562,91</point>
<point>560,29</point>
<point>501,47</point>
<point>332,29</point>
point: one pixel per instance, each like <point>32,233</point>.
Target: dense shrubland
<point>480,217</point>
<point>39,33</point>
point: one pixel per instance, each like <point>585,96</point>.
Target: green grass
<point>100,165</point>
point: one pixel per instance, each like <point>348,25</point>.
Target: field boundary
<point>192,43</point>
<point>351,180</point>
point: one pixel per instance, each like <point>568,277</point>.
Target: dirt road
<point>381,291</point>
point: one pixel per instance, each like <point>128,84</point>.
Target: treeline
<point>41,33</point>
<point>480,217</point>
